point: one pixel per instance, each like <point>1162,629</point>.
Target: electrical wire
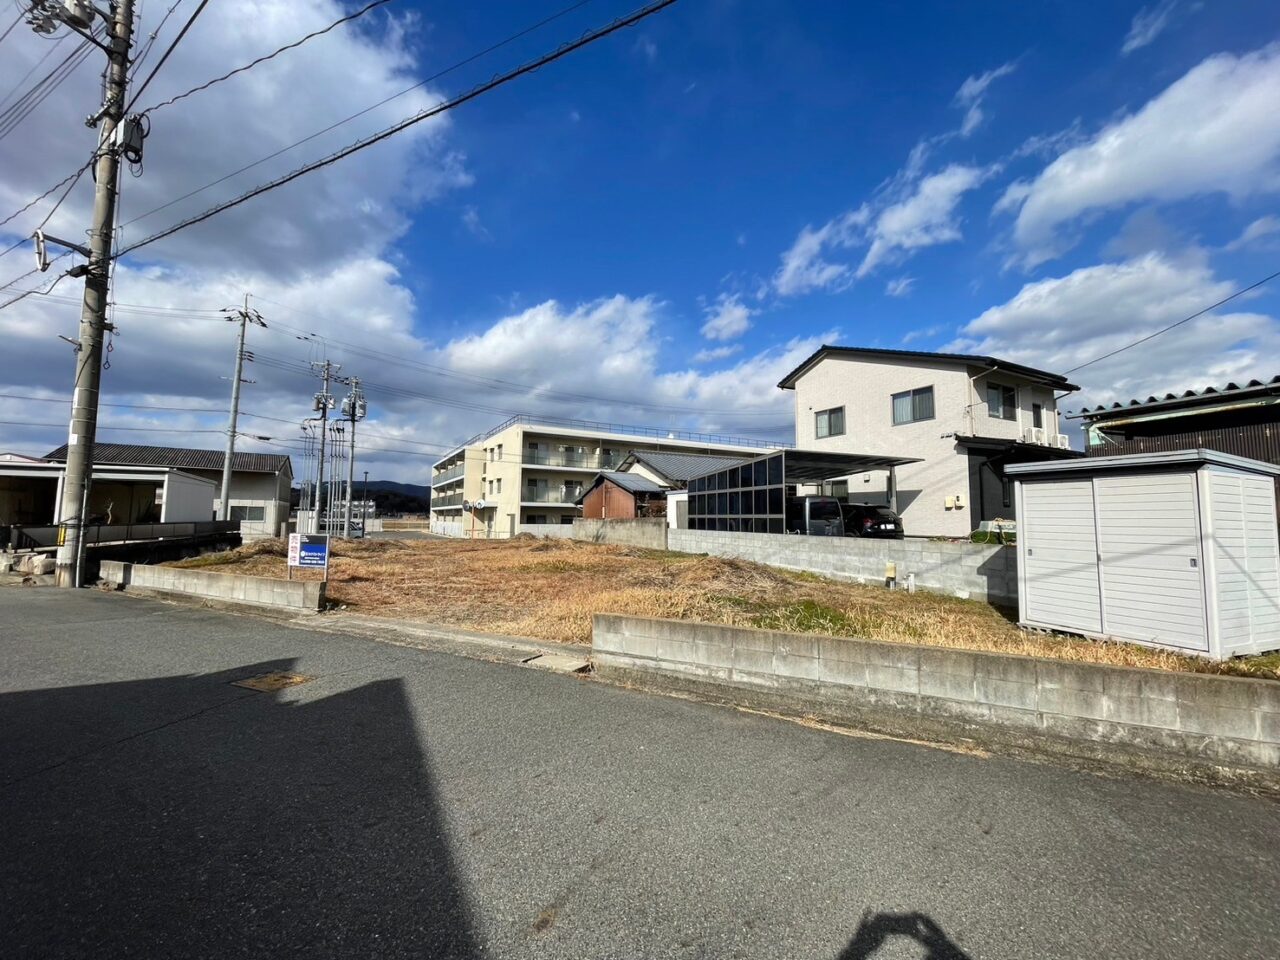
<point>34,67</point>
<point>151,38</point>
<point>32,423</point>
<point>27,293</point>
<point>20,109</point>
<point>498,81</point>
<point>167,53</point>
<point>61,183</point>
<point>1199,313</point>
<point>9,29</point>
<point>263,59</point>
<point>369,109</point>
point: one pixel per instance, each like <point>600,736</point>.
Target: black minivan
<point>815,516</point>
<point>868,520</point>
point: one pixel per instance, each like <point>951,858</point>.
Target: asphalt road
<point>409,804</point>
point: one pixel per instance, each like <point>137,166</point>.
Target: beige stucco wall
<point>865,387</point>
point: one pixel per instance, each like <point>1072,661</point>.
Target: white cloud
<point>1148,23</point>
<point>727,318</point>
<point>1060,323</point>
<point>924,219</point>
<point>1215,130</point>
<point>973,91</point>
<point>475,226</point>
<point>912,335</point>
<point>899,286</point>
<point>647,48</point>
<point>1262,227</point>
<point>803,265</point>
<point>717,353</point>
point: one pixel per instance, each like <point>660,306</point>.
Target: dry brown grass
<point>550,588</point>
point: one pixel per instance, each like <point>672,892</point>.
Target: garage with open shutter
<point>1178,550</point>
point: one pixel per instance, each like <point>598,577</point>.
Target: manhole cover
<point>269,682</point>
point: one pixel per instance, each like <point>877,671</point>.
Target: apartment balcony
<point>445,503</point>
<point>573,461</point>
<point>558,496</point>
<point>453,473</point>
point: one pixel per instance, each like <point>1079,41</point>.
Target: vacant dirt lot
<point>550,588</point>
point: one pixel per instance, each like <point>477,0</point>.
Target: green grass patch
<point>993,537</point>
<point>806,616</point>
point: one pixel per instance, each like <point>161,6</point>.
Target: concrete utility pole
<point>324,403</point>
<point>355,409</point>
<point>246,317</point>
<point>93,314</point>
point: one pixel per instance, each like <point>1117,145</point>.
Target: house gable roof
<point>1054,380</point>
<point>631,482</point>
<point>138,455</point>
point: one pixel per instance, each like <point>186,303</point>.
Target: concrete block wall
<point>1204,718</point>
<point>970,570</point>
<point>299,595</point>
<point>648,532</point>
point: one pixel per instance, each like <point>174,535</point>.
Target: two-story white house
<point>964,416</point>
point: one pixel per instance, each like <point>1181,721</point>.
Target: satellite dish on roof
<point>466,504</point>
<point>479,505</point>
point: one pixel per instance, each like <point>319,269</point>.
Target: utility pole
<point>364,498</point>
<point>93,314</point>
<point>354,408</point>
<point>324,403</point>
<point>246,317</point>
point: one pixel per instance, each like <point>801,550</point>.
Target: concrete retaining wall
<point>648,532</point>
<point>1196,719</point>
<point>970,570</point>
<point>298,595</point>
<point>441,528</point>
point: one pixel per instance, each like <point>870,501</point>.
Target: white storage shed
<point>1178,550</point>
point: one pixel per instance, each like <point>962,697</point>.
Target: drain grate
<point>269,682</point>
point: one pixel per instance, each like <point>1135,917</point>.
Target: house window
<point>498,451</point>
<point>1037,415</point>
<point>1002,402</point>
<point>829,423</point>
<point>913,405</point>
<point>251,514</point>
<point>497,488</point>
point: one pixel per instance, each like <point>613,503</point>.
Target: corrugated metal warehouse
<point>1176,550</point>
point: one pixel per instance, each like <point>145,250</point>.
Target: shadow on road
<point>182,816</point>
<point>876,930</point>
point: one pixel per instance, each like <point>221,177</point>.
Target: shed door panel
<point>1061,555</point>
<point>1247,562</point>
<point>1152,570</point>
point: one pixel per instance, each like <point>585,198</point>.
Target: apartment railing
<point>554,495</point>
<point>588,461</point>
<point>627,430</point>
<point>453,473</point>
<point>452,500</point>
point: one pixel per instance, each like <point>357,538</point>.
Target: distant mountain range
<point>391,486</point>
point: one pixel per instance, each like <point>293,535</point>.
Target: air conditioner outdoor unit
<point>1033,435</point>
<point>1063,441</point>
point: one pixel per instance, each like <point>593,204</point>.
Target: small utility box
<point>1177,550</point>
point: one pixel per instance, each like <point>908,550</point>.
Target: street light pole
<point>93,314</point>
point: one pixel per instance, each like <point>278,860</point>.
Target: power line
<point>20,109</point>
<point>290,46</point>
<point>151,39</point>
<point>156,69</point>
<point>1198,313</point>
<point>34,67</point>
<point>498,81</point>
<point>9,29</point>
<point>360,113</point>
<point>61,183</point>
<point>63,426</point>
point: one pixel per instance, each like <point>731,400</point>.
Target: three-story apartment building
<point>530,470</point>
<point>964,416</point>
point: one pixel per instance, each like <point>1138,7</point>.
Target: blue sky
<point>654,229</point>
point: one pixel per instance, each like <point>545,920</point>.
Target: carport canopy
<point>789,466</point>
